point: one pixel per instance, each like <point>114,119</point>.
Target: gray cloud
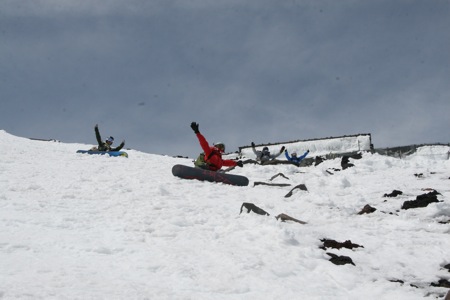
<point>262,71</point>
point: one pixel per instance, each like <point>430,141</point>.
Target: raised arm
<point>118,148</point>
<point>97,135</point>
<point>273,156</point>
<point>287,155</point>
<point>257,153</point>
<point>303,156</point>
<point>203,142</point>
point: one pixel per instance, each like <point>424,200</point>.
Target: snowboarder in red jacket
<point>212,155</point>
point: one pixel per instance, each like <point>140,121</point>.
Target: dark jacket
<point>103,146</point>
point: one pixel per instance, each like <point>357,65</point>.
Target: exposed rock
<point>270,184</point>
<point>285,218</point>
<point>337,245</point>
<point>367,209</point>
<point>300,186</point>
<point>279,174</point>
<point>252,207</point>
<point>394,193</point>
<point>340,260</point>
<point>421,200</point>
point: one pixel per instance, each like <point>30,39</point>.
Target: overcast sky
<point>256,70</point>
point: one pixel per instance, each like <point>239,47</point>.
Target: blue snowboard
<point>110,153</point>
<point>186,172</point>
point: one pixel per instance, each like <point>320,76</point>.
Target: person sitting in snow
<point>294,158</point>
<point>211,158</point>
<point>264,156</point>
<point>106,145</point>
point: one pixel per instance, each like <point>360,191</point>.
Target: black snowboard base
<point>186,172</point>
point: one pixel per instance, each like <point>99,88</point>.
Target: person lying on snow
<point>264,156</point>
<point>106,145</point>
<point>211,158</point>
<point>294,158</point>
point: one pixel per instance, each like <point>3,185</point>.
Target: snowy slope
<point>76,226</point>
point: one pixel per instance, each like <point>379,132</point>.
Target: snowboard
<point>186,172</point>
<point>110,153</point>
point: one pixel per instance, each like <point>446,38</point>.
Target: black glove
<point>285,151</point>
<point>253,144</point>
<point>194,127</point>
<point>282,149</point>
<point>307,150</point>
<point>239,163</point>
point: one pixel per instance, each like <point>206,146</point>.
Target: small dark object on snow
<point>345,162</point>
<point>394,193</point>
<point>418,175</point>
<point>367,210</point>
<point>333,169</point>
<point>279,174</point>
<point>397,281</point>
<point>285,217</point>
<point>441,283</point>
<point>252,207</point>
<point>300,186</point>
<point>270,184</point>
<point>340,260</point>
<point>421,200</point>
<point>337,245</point>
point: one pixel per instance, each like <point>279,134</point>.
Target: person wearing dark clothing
<point>265,156</point>
<point>212,155</point>
<point>294,158</point>
<point>106,145</point>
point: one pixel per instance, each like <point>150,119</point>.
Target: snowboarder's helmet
<point>110,140</point>
<point>266,149</point>
<point>220,146</point>
<point>294,154</point>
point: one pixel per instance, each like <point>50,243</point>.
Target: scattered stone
<point>397,281</point>
<point>367,210</point>
<point>340,260</point>
<point>270,184</point>
<point>441,283</point>
<point>345,162</point>
<point>394,193</point>
<point>421,200</point>
<point>337,245</point>
<point>285,218</point>
<point>252,207</point>
<point>279,174</point>
<point>300,186</point>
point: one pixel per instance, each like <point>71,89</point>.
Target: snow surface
<point>78,226</point>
